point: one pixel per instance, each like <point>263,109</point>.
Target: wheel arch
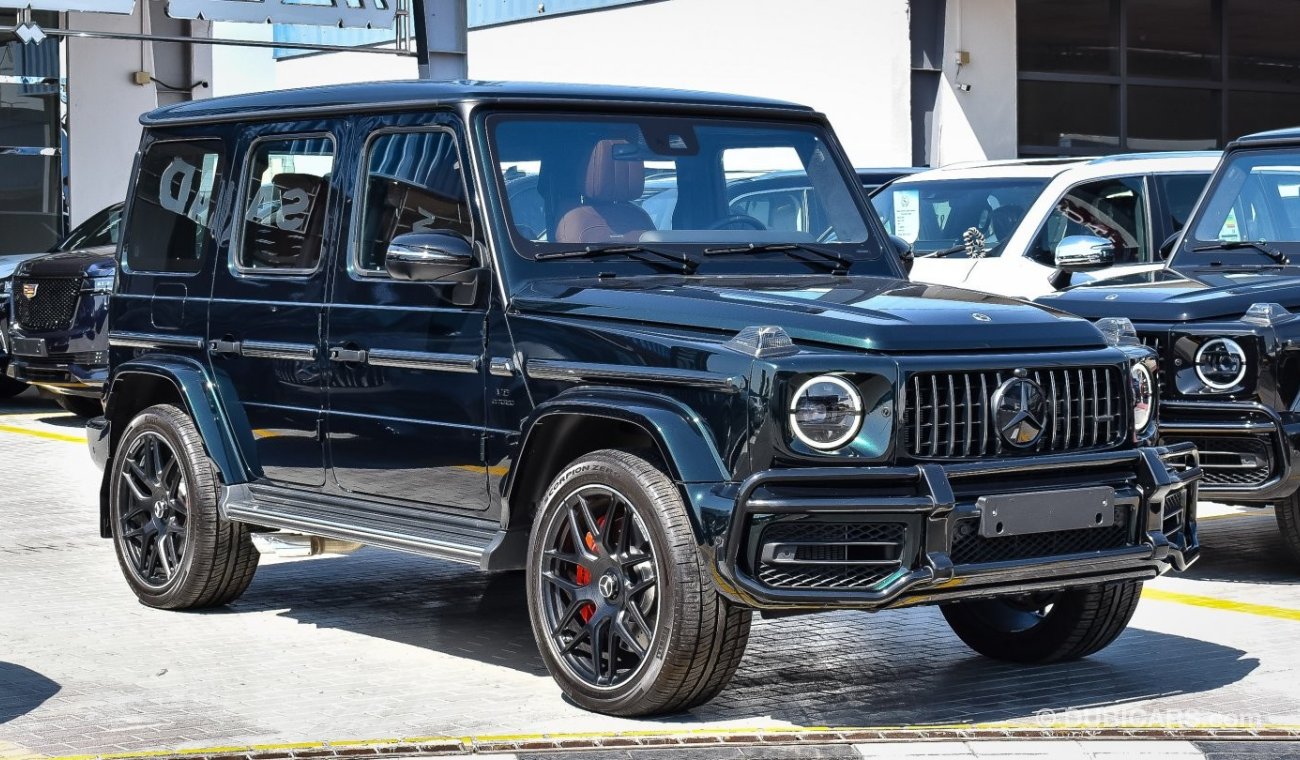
<point>571,425</point>
<point>139,384</point>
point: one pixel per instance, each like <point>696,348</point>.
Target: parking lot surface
<point>382,647</point>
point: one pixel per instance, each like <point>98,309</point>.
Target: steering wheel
<point>742,221</point>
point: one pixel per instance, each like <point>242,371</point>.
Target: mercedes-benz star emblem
<point>980,316</point>
<point>608,585</point>
<point>29,290</point>
<point>1020,411</point>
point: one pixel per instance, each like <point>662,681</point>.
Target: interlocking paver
<point>380,644</point>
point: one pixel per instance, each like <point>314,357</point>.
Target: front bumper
<point>914,530</point>
<point>1248,451</point>
<point>60,374</point>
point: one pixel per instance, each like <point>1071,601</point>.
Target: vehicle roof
<point>1048,168</point>
<point>413,93</point>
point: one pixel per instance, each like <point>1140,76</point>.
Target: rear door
<point>406,390</point>
<point>268,296</point>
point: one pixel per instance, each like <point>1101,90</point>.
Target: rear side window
<point>169,230</point>
<point>413,184</point>
<point>285,205</point>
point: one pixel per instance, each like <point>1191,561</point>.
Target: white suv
<point>1014,227</point>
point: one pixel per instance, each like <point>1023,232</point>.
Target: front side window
<point>285,204</point>
<point>175,192</point>
<point>1112,209</point>
<point>957,218</point>
<point>1256,199</point>
<point>580,180</point>
<point>413,184</point>
<point>1180,192</point>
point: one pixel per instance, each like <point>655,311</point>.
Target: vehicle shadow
<point>68,420</point>
<point>27,402</point>
<point>840,669</point>
<point>1244,548</point>
<point>22,690</point>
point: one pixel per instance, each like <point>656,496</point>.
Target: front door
<point>406,381</point>
<point>264,328</point>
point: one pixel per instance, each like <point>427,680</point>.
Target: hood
<point>10,262</point>
<point>84,262</point>
<point>1179,295</point>
<point>853,312</point>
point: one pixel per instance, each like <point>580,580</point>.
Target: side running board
<point>482,543</point>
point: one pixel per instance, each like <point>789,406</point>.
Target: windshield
<point>961,218</point>
<point>686,184</point>
<point>1255,198</point>
<point>100,229</point>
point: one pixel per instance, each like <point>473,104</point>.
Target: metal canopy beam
<point>98,6</point>
<point>360,14</point>
<point>441,38</point>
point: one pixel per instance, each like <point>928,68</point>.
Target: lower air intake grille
<point>1235,462</point>
<point>825,555</point>
<point>970,548</point>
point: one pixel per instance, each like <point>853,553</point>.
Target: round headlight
<point>1143,396</point>
<point>1221,363</point>
<point>826,412</point>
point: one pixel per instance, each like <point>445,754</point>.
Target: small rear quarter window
<point>169,229</point>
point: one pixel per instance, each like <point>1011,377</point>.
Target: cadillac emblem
<point>29,290</point>
<point>1020,412</point>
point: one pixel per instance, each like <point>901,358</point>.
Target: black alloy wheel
<point>175,549</point>
<point>600,586</point>
<point>155,514</point>
<point>621,599</point>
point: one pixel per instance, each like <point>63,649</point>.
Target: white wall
<point>848,58</point>
<point>104,106</point>
<point>979,124</point>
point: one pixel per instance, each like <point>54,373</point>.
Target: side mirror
<point>904,250</point>
<point>438,257</point>
<point>1084,253</point>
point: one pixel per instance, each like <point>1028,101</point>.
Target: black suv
<point>58,315</point>
<point>328,321</point>
<point>1223,317</point>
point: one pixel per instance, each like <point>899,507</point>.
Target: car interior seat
<point>607,212</point>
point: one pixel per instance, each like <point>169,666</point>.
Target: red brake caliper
<point>583,576</point>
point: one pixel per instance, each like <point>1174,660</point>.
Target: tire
<point>82,406</point>
<point>174,549</point>
<point>1288,521</point>
<point>637,536</point>
<point>1078,623</point>
<point>10,387</point>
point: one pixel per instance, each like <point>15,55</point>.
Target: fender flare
<point>197,388</point>
<point>682,437</point>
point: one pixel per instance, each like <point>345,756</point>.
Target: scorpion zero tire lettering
<point>623,607</point>
<point>1042,628</point>
<point>174,548</point>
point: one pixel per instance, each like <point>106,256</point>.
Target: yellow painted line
<point>42,434</point>
<point>497,471</point>
<point>1233,515</point>
<point>468,742</point>
<point>1225,605</point>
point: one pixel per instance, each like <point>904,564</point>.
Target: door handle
<point>348,355</point>
<point>226,347</point>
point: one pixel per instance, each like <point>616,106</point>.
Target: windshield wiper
<point>1229,245</point>
<point>942,252</point>
<point>686,264</point>
<point>837,263</point>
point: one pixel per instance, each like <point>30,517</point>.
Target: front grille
<point>947,414</point>
<point>831,555</point>
<point>970,548</point>
<point>51,307</point>
<point>1234,462</point>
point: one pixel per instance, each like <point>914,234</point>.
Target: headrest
<point>613,180</point>
<point>297,181</point>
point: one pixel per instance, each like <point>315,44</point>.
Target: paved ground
<point>381,645</point>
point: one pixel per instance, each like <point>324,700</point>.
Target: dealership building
<point>906,82</point>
